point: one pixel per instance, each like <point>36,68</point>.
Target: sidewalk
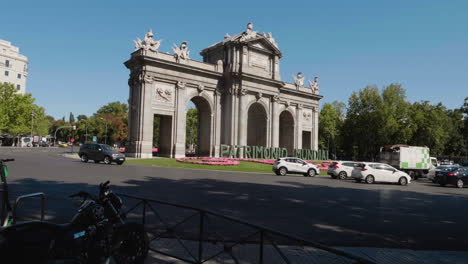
<point>249,253</point>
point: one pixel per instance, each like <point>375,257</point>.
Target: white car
<point>379,172</point>
<point>284,166</point>
<point>341,169</point>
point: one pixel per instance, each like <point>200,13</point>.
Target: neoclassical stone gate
<point>237,90</point>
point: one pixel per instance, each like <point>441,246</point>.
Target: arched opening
<point>198,127</point>
<point>162,135</point>
<point>256,125</point>
<point>286,131</point>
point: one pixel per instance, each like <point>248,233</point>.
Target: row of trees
<point>108,124</point>
<point>374,118</point>
<point>19,115</point>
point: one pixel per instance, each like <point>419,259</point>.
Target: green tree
<point>115,115</point>
<point>363,120</point>
<point>19,114</point>
<point>71,119</point>
<point>394,113</point>
<point>191,128</point>
<point>81,117</point>
<point>331,121</point>
<point>431,126</point>
<point>113,108</point>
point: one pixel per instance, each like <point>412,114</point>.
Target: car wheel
<point>107,160</point>
<point>412,175</point>
<point>460,183</point>
<point>342,175</point>
<point>403,181</point>
<point>120,162</point>
<point>311,173</point>
<point>96,161</point>
<point>84,158</point>
<point>370,179</point>
<point>283,171</point>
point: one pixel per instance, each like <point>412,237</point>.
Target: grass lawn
<point>244,166</point>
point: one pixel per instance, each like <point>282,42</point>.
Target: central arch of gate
<point>237,91</point>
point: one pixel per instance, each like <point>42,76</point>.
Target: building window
<point>7,63</point>
<point>18,87</point>
<point>6,73</point>
<point>19,75</point>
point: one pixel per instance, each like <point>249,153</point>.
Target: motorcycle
<point>96,234</point>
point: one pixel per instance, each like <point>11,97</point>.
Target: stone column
<point>275,122</point>
<point>315,121</point>
<point>242,120</point>
<point>299,126</point>
<point>145,141</point>
<point>180,115</point>
<point>217,123</point>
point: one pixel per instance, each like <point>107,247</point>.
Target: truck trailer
<point>413,160</point>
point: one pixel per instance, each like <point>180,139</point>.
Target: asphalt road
<point>337,213</point>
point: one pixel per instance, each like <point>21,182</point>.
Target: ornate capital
<point>148,78</point>
<point>287,103</point>
<point>299,106</point>
<point>242,91</point>
<point>180,85</point>
<point>314,109</point>
<point>258,95</point>
<point>218,92</point>
<point>276,98</point>
<point>200,88</point>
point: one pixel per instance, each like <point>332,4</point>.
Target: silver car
<point>341,169</point>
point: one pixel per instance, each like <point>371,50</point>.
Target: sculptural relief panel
<point>163,94</point>
<point>307,118</point>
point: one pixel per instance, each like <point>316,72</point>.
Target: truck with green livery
<point>413,160</point>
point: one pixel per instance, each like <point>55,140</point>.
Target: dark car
<point>100,152</point>
<point>455,175</point>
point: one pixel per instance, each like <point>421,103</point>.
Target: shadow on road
<point>332,215</point>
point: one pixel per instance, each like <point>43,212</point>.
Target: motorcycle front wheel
<point>131,244</point>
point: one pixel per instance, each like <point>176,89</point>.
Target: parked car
<point>341,169</point>
<point>379,172</point>
<point>432,172</point>
<point>100,152</point>
<point>454,175</point>
<point>284,166</point>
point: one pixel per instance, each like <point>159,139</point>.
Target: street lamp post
<point>32,119</point>
<point>105,136</point>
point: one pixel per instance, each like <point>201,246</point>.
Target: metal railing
<point>193,235</point>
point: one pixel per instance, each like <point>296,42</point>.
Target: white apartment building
<point>13,66</point>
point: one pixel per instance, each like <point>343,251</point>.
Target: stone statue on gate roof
<point>148,43</point>
<point>299,80</point>
<point>182,52</point>
<point>249,33</point>
<point>314,85</point>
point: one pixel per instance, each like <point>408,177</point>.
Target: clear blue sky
<point>76,49</point>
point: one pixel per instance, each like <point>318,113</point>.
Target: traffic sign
<point>72,140</point>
